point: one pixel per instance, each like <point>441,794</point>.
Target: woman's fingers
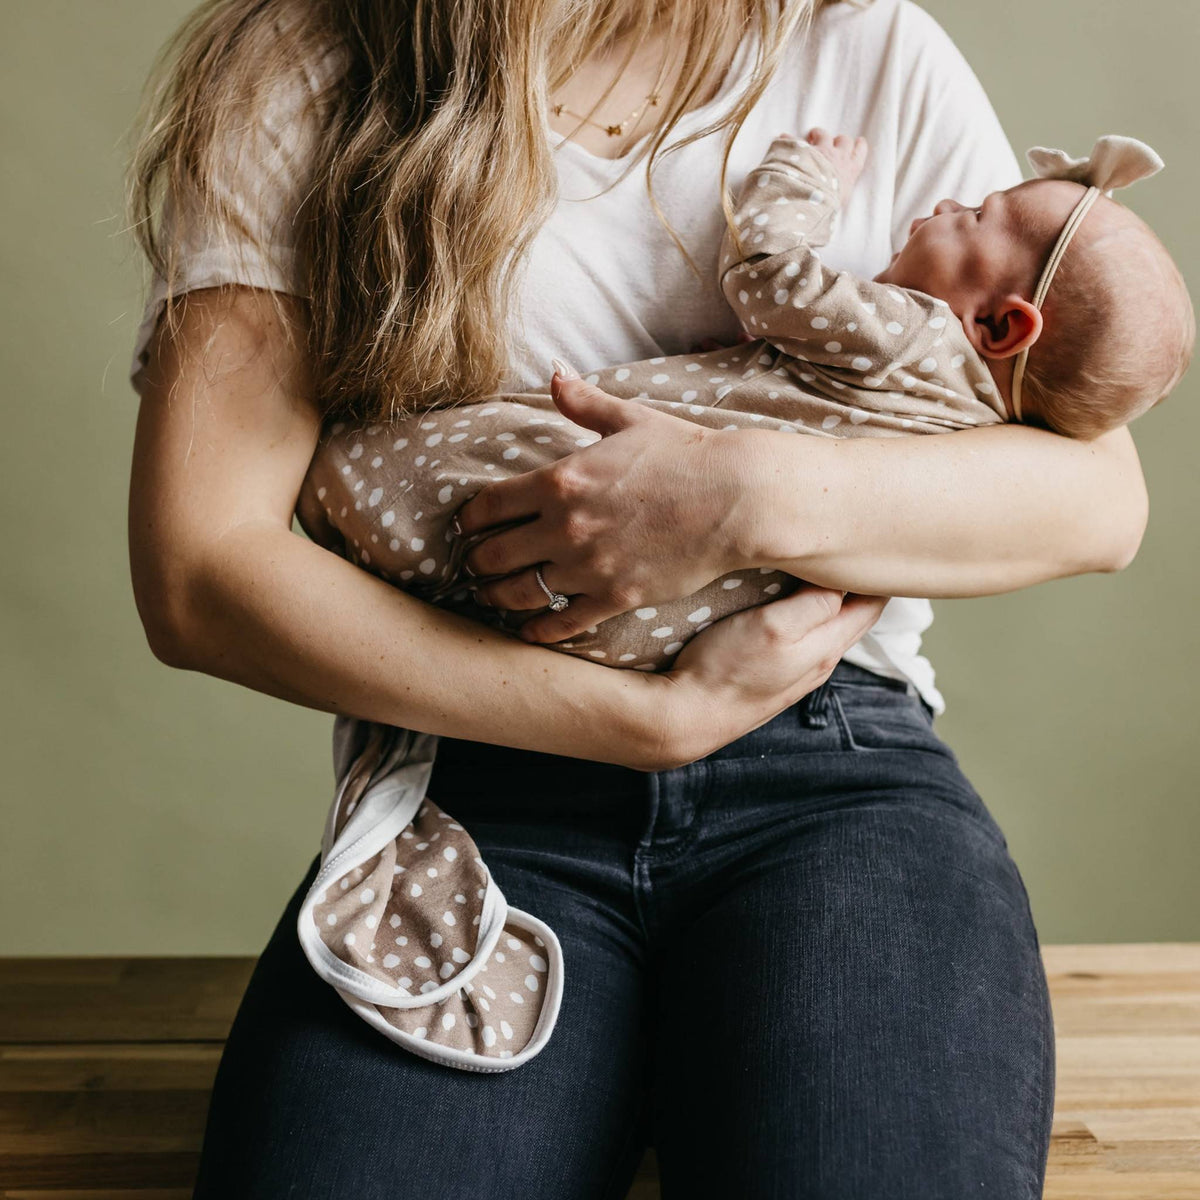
<point>800,614</point>
<point>582,613</point>
<point>746,668</point>
<point>500,502</point>
<point>595,409</point>
<point>527,494</point>
<point>505,551</point>
<point>521,591</point>
<point>818,625</point>
<point>831,638</point>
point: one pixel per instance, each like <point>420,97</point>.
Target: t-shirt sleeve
<point>263,177</point>
<point>950,140</point>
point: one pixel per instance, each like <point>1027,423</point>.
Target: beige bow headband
<point>1114,162</point>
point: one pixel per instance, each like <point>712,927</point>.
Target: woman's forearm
<point>272,611</point>
<point>975,512</point>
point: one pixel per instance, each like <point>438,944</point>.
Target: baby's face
<point>966,256</point>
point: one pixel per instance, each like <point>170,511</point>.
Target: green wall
<point>149,810</point>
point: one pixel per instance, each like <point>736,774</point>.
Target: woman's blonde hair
<point>431,174</point>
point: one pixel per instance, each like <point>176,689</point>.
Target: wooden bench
<point>107,1063</point>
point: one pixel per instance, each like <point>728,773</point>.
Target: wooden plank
<point>106,1067</point>
<point>88,1173</point>
<point>77,1123</point>
<point>109,1067</point>
<point>119,999</point>
<point>1126,1070</point>
<point>1156,1185</point>
<point>1123,958</point>
<point>1127,1097</point>
<point>183,1193</point>
<point>1125,990</point>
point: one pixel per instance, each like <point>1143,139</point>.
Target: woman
<point>799,958</point>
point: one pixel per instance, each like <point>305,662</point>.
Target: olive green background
<point>150,810</point>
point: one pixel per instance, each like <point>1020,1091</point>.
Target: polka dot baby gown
<point>404,919</point>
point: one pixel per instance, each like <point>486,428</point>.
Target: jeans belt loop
<point>814,711</point>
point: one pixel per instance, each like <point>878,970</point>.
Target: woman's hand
<point>651,512</point>
<point>741,671</point>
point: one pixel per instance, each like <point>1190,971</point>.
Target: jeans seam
<point>990,833</point>
<point>1036,1190</point>
<point>994,888</point>
<point>1047,1069</point>
<point>639,872</point>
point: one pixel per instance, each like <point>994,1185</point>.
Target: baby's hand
<point>848,156</point>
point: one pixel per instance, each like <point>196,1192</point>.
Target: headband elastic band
<point>1056,256</point>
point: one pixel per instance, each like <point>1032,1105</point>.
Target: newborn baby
<point>953,334</point>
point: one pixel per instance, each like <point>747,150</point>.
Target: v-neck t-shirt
<point>604,283</point>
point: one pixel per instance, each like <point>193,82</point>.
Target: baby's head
<point>1115,331</point>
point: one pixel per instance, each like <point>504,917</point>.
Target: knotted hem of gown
<point>406,923</point>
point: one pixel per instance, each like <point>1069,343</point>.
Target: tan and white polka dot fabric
<point>833,356</point>
<point>406,922</point>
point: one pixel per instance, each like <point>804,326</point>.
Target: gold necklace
<point>617,128</point>
<point>613,130</point>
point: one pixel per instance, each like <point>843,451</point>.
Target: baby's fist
<point>848,156</point>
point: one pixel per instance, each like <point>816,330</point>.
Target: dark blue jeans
<point>801,967</point>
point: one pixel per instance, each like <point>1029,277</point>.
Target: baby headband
<point>1114,162</point>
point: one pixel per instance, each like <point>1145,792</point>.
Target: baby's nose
<point>947,205</point>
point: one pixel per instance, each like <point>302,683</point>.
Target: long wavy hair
<point>429,174</point>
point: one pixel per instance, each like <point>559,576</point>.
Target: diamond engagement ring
<point>557,600</point>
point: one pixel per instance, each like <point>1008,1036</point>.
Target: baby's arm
<point>787,208</point>
<point>854,331</point>
<point>790,201</point>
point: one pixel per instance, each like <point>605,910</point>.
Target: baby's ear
<point>1010,325</point>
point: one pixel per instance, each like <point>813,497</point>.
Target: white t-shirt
<point>604,283</point>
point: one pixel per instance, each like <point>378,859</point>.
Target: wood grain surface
<point>106,1066</point>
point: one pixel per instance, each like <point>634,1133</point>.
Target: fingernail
<point>563,370</point>
<point>456,524</point>
<point>467,570</point>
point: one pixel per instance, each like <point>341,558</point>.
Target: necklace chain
<point>617,128</point>
<point>614,129</point>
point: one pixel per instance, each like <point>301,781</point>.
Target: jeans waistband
<point>811,709</point>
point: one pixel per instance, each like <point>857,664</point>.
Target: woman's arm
<point>972,513</point>
<point>969,513</point>
<point>225,434</point>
